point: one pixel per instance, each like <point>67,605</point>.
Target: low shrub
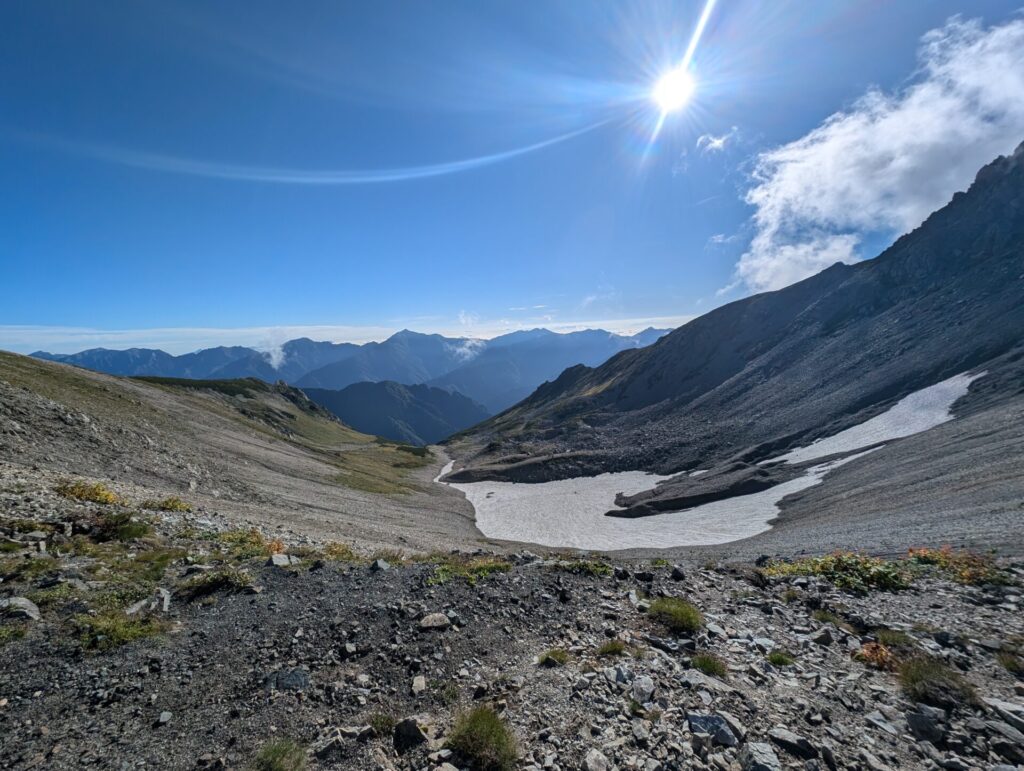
<point>469,569</point>
<point>847,570</point>
<point>679,616</point>
<point>92,492</point>
<point>280,755</point>
<point>119,526</point>
<point>875,655</point>
<point>171,503</point>
<point>340,552</point>
<point>383,724</point>
<point>962,566</point>
<point>482,740</point>
<point>709,664</point>
<point>244,544</point>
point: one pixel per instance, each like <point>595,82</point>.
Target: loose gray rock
<point>793,744</point>
<point>759,756</point>
<point>19,607</point>
<point>595,761</point>
<point>642,689</point>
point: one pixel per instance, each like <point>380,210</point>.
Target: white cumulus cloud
<point>885,163</point>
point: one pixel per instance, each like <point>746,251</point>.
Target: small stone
<point>822,637</point>
<point>435,621</point>
<point>165,718</point>
<point>419,685</point>
<point>378,565</point>
<point>678,574</point>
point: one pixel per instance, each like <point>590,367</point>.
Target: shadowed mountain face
<point>511,366</point>
<point>405,357</point>
<point>776,370</point>
<point>416,414</point>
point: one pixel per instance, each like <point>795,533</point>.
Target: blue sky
<point>184,174</point>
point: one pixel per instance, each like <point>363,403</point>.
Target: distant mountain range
<point>416,414</point>
<point>495,373</point>
<point>762,375</point>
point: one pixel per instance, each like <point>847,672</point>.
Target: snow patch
<point>912,414</point>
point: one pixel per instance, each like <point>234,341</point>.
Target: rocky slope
<point>754,378</point>
<point>244,449</point>
<point>135,638</point>
<point>416,414</point>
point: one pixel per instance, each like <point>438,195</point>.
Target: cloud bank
<point>178,340</point>
<point>883,165</point>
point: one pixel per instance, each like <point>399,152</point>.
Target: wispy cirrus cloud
<point>709,143</point>
<point>171,164</point>
<point>890,159</point>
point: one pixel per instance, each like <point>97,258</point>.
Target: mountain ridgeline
<point>496,373</point>
<point>764,374</point>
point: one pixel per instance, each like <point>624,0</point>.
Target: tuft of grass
<point>383,724</point>
<point>213,581</point>
<point>113,629</point>
<point>593,568</point>
<point>11,633</point>
<point>659,562</point>
<point>780,658</point>
<point>826,617</point>
<point>931,681</point>
<point>790,595</point>
<point>847,570</point>
<point>53,595</point>
<point>612,648</point>
<point>26,568</point>
<point>1011,662</point>
<point>482,740</point>
<point>895,639</point>
<point>556,657</point>
<point>91,492</point>
<point>710,664</point>
<point>280,755</point>
<point>470,569</point>
<point>679,616</point>
<point>171,503</point>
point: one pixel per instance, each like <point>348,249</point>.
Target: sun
<point>674,90</point>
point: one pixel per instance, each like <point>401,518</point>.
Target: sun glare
<point>674,90</point>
